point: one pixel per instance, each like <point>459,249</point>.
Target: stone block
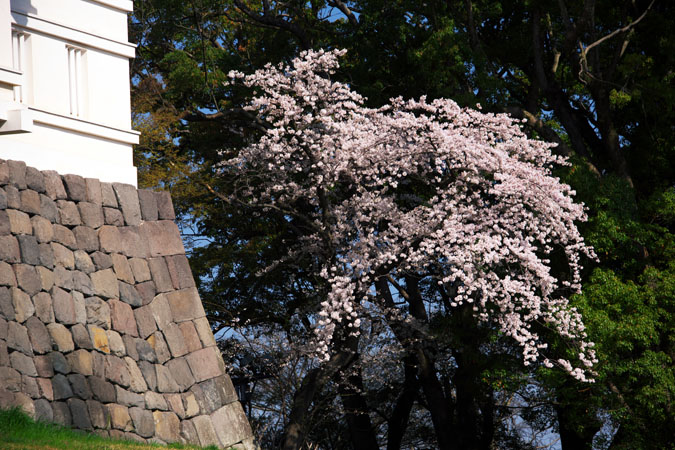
<point>5,226</point>
<point>117,346</point>
<point>108,195</point>
<point>63,256</point>
<point>122,317</point>
<point>158,344</point>
<point>39,336</point>
<point>91,214</point>
<point>87,238</point>
<point>24,402</point>
<point>139,269</point>
<point>7,277</point>
<point>133,243</point>
<point>62,414</point>
<point>6,306</point>
<point>145,351</point>
<point>80,414</point>
<point>61,387</point>
<point>206,363</point>
<point>167,426</point>
<point>43,307</point>
<point>101,260</point>
<point>42,229</point>
<point>35,180</point>
<point>83,262</point>
<point>80,386</point>
<point>179,269</point>
<point>119,417</point>
<point>145,321</point>
<point>99,338</point>
<point>81,361</point>
<point>144,422</point>
<point>46,277</point>
<point>165,381</point>
<point>147,291</point>
<point>10,379</point>
<point>127,198</point>
<point>163,238</point>
<point>13,197</point>
<point>48,209</point>
<point>63,278</point>
<point>45,388</point>
<point>27,278</point>
<point>185,305</point>
<point>28,246</point>
<point>190,404</point>
<point>137,382</point>
<point>43,365</point>
<point>19,222</point>
<point>174,338</point>
<point>3,331</point>
<point>17,338</point>
<point>105,283</point>
<point>154,400</point>
<point>98,414</point>
<point>59,362</point>
<point>76,188</point>
<point>99,364</point>
<point>29,386</point>
<point>113,216</point>
<point>230,424</point>
<point>62,340</point>
<point>116,371</point>
<point>64,236</point>
<point>128,398</point>
<point>23,306</point>
<point>98,312</point>
<point>129,294</point>
<point>3,199</point>
<point>122,268</point>
<point>43,411</point>
<point>149,374</point>
<point>175,402</point>
<point>110,239</point>
<point>64,306</point>
<point>188,431</point>
<point>93,191</point>
<point>17,173</point>
<point>165,206</point>
<point>161,311</point>
<point>30,201</point>
<point>102,390</point>
<point>130,346</point>
<point>68,213</point>
<point>148,203</point>
<point>205,431</point>
<point>218,391</point>
<point>9,249</point>
<point>81,337</point>
<point>22,363</point>
<point>82,283</point>
<point>46,255</point>
<point>181,373</point>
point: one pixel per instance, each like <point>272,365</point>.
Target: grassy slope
<point>18,431</point>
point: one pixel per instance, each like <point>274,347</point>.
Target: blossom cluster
<point>417,187</point>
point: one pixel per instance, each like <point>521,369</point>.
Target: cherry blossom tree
<point>383,198</point>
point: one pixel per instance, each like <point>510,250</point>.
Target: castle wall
<point>101,326</point>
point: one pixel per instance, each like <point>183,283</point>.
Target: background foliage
<point>594,76</point>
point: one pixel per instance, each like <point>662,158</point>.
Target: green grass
<point>18,431</point>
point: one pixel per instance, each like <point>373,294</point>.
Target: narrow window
<point>20,62</point>
<point>76,80</point>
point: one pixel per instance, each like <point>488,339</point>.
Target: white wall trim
<point>11,76</point>
<point>123,5</point>
<point>85,127</point>
<point>31,22</point>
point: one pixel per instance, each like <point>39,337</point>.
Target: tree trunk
<point>361,430</point>
<point>398,422</point>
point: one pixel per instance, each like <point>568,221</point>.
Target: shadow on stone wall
<point>101,326</point>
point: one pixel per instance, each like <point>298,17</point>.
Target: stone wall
<point>101,327</point>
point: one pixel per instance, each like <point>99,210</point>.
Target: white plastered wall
<point>73,111</point>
